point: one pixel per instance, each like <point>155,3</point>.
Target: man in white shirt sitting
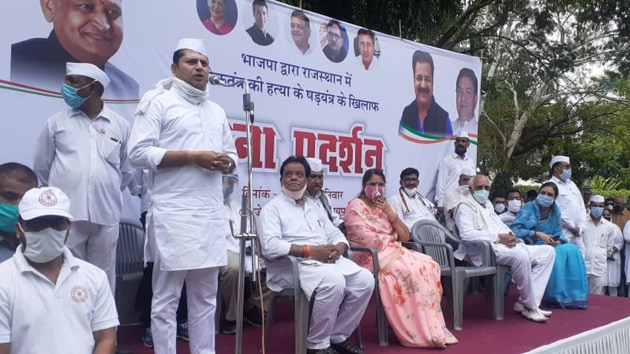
<point>314,190</point>
<point>408,202</point>
<point>456,196</point>
<point>294,225</point>
<point>531,265</point>
<point>50,301</point>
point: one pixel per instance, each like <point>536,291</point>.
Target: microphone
<point>216,80</point>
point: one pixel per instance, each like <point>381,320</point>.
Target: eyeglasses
<point>38,224</point>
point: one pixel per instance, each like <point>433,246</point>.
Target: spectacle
<point>38,224</point>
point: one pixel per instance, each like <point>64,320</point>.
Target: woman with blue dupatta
<point>540,220</point>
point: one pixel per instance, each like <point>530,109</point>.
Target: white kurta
<point>343,288</point>
<point>470,126</point>
<point>412,209</point>
<point>187,201</point>
<point>626,238</point>
<point>531,265</point>
<point>449,170</point>
<point>598,238</point>
<point>87,159</point>
<point>572,208</point>
<point>614,265</point>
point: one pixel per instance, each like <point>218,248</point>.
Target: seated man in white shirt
<point>408,202</point>
<point>455,196</point>
<point>514,204</point>
<point>50,301</point>
<point>531,265</point>
<point>314,186</point>
<point>294,225</point>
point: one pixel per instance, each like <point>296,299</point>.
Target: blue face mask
<point>544,201</point>
<point>597,211</point>
<point>71,95</point>
<point>566,174</point>
<point>481,196</point>
<point>8,217</point>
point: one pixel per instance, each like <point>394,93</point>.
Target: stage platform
<point>604,328</point>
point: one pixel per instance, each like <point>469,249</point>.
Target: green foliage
<point>607,184</point>
<point>612,193</point>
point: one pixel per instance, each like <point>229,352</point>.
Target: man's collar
<point>23,266</point>
<point>105,113</point>
<point>459,157</point>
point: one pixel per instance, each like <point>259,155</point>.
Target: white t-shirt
<point>37,316</point>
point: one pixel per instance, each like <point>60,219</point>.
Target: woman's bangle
<point>306,251</point>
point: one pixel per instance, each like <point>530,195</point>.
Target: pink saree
<point>409,281</point>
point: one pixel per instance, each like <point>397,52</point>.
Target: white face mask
<point>45,245</point>
<point>411,192</point>
<point>499,208</point>
<point>297,195</point>
<point>514,205</point>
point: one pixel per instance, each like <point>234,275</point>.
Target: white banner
<point>311,98</point>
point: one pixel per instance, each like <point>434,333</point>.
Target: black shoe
<point>252,316</point>
<point>229,327</point>
<point>328,350</point>
<point>124,351</point>
<point>346,347</point>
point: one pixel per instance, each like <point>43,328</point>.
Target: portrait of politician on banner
<point>259,31</point>
<point>218,16</point>
<point>334,41</point>
<point>424,116</point>
<point>300,26</point>
<point>367,49</point>
<point>466,99</point>
<point>91,33</point>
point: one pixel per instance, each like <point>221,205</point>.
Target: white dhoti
<point>201,289</point>
<point>531,268</point>
<point>95,244</point>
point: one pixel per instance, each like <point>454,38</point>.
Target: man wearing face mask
<point>531,266</point>
<point>514,203</point>
<point>451,167</point>
<point>408,202</point>
<point>83,150</point>
<point>599,240</point>
<point>294,225</point>
<point>499,202</point>
<point>456,196</point>
<point>614,260</point>
<point>228,275</point>
<point>15,180</point>
<point>50,301</point>
<point>314,190</point>
<point>569,200</point>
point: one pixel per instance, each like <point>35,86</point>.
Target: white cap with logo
<point>46,201</point>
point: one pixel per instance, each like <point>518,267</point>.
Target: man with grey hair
<point>531,265</point>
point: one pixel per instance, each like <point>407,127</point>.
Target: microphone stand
<point>247,232</point>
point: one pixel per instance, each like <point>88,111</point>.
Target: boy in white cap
<point>83,151</point>
<point>599,237</point>
<point>50,301</point>
<point>314,185</point>
<point>451,167</point>
<point>184,140</point>
<point>569,200</point>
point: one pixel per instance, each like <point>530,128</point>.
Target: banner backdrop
<point>312,92</point>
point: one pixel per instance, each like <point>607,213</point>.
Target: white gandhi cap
<point>192,44</point>
<point>558,158</point>
<point>597,199</point>
<point>89,70</point>
<point>316,164</point>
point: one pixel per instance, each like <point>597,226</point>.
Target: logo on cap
<point>48,198</point>
<point>79,294</point>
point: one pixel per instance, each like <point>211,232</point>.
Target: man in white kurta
<point>455,196</point>
<point>83,151</point>
<point>598,236</point>
<point>314,190</point>
<point>186,142</point>
<point>451,167</point>
<point>569,201</point>
<point>293,224</point>
<point>531,265</point>
<point>408,202</point>
<point>50,301</point>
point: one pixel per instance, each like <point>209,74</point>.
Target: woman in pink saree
<point>409,281</point>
